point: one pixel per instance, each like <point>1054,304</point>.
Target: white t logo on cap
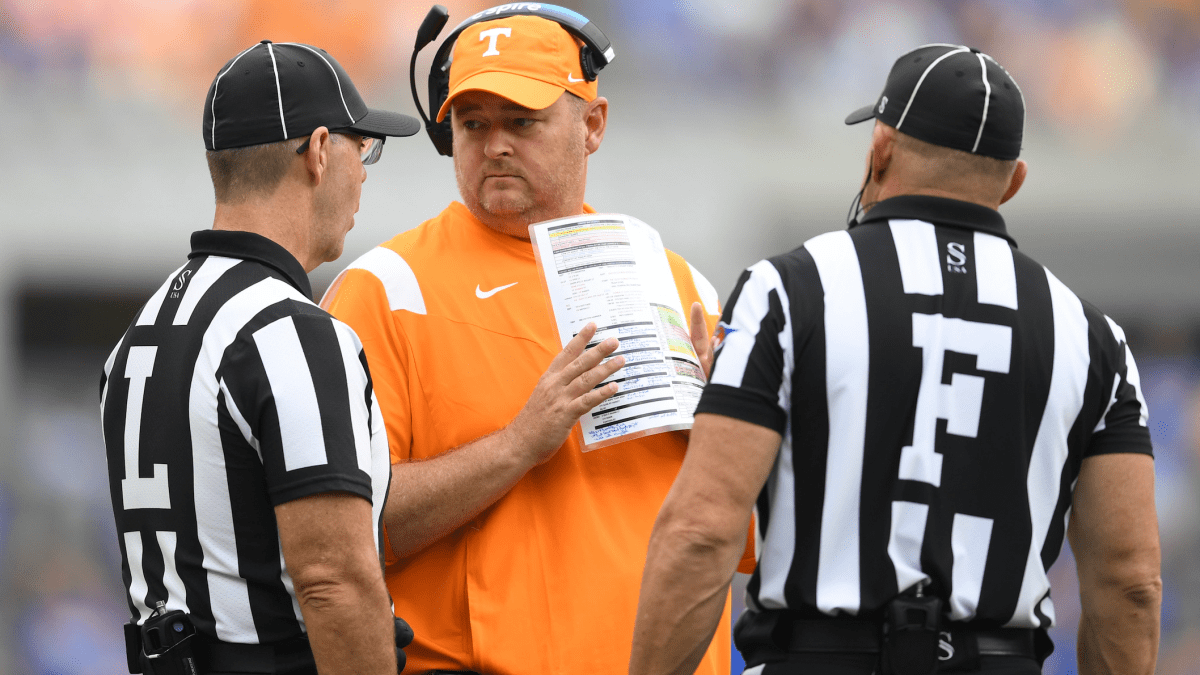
<point>492,34</point>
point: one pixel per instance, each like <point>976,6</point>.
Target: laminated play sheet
<point>612,269</point>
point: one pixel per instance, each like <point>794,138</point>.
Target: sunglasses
<point>369,148</point>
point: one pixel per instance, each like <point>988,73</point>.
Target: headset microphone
<point>434,21</point>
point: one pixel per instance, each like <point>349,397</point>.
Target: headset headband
<point>601,51</point>
<point>596,53</point>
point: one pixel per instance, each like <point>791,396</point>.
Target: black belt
<point>213,655</point>
<point>846,635</point>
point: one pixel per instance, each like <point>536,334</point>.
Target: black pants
<point>867,664</point>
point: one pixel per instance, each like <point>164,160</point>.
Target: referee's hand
<point>565,391</point>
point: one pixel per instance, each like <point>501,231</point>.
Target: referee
<point>919,413</point>
<point>247,460</point>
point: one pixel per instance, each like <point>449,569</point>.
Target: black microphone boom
<point>434,21</point>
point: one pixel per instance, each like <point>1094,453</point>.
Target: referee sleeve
<point>297,390</point>
<point>753,366</point>
<point>1122,426</point>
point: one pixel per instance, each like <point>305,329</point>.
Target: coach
<point>512,550</point>
<point>919,413</point>
<point>247,458</point>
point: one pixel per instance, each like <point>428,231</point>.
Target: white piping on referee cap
<point>214,99</point>
<point>987,97</point>
<point>913,95</point>
<point>278,91</point>
<point>1014,82</point>
<point>332,70</point>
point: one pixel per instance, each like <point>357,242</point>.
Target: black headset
<point>594,55</point>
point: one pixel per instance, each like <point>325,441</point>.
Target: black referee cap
<point>953,96</point>
<point>273,92</point>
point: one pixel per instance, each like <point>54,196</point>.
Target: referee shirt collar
<point>251,246</point>
<point>940,211</point>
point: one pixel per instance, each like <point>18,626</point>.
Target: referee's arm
<point>697,542</point>
<point>1114,528</point>
<point>329,547</point>
<point>1114,534</point>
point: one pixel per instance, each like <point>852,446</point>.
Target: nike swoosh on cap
<point>572,79</point>
<point>482,294</point>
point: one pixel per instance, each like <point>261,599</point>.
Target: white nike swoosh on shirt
<point>482,294</point>
<point>572,79</point>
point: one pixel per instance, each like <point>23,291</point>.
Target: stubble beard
<point>511,213</point>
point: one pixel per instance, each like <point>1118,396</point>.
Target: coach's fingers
<point>596,396</point>
<point>588,360</point>
<point>574,348</point>
<point>589,379</point>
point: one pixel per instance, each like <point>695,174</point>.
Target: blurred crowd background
<point>725,133</point>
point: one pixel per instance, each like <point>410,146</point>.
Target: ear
<point>316,158</point>
<point>1017,180</point>
<point>595,118</point>
<point>883,145</point>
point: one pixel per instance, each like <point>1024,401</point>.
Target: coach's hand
<point>700,340</point>
<point>565,391</point>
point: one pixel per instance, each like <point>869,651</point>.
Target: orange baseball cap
<point>528,60</point>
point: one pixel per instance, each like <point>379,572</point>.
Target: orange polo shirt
<point>546,580</point>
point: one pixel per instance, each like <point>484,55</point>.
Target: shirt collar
<point>251,246</point>
<point>940,211</point>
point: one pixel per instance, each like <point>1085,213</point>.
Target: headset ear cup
<point>439,90</point>
<point>442,135</point>
<point>586,65</point>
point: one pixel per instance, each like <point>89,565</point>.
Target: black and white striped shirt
<point>230,394</point>
<point>936,391</point>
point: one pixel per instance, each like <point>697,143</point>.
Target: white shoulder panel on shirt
<point>398,279</point>
<point>708,294</point>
